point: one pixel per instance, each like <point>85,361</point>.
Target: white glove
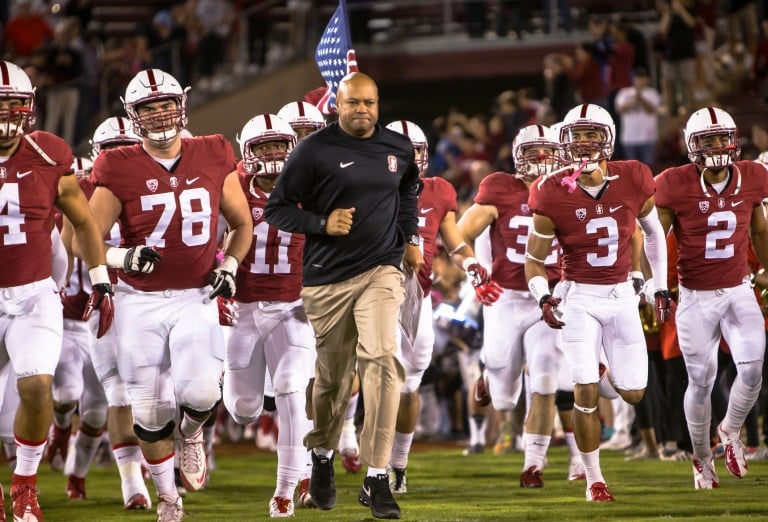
<point>137,259</point>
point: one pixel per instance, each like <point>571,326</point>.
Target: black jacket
<point>331,169</point>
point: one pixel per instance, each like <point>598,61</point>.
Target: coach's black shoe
<point>322,485</point>
<point>376,494</point>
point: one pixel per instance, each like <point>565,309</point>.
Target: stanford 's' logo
<point>392,163</point>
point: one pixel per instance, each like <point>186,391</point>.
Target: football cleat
<point>735,455</point>
<point>169,509</point>
<point>193,464</point>
<point>58,447</point>
<point>598,492</point>
<point>25,506</point>
<point>137,502</point>
<point>480,395</point>
<point>531,478</point>
<point>398,482</point>
<point>350,460</point>
<point>576,469</point>
<point>474,449</point>
<point>76,488</point>
<point>704,476</point>
<point>305,499</point>
<point>180,489</point>
<point>280,507</point>
<point>375,493</point>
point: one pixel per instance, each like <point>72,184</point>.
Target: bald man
<point>352,189</point>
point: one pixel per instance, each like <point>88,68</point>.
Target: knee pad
<point>564,400</point>
<point>67,394</point>
<point>412,382</point>
<point>116,391</point>
<point>244,410</point>
<point>287,382</point>
<point>750,373</point>
<point>154,435</point>
<point>94,417</point>
<point>699,394</point>
<point>269,403</point>
<point>200,393</point>
<point>544,384</point>
<point>153,415</point>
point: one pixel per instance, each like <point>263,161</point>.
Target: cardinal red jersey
<point>175,211</point>
<point>712,230</point>
<point>29,186</point>
<point>272,270</point>
<point>437,198</point>
<point>509,233</point>
<point>596,233</point>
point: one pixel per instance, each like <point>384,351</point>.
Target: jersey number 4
<point>11,216</point>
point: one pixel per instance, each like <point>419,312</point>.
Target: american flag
<point>334,57</point>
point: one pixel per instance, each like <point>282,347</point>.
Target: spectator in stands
<point>587,76</point>
<point>259,24</point>
<point>27,32</point>
<point>476,13</point>
<point>559,86</point>
<point>742,24</point>
<point>164,41</point>
<point>216,18</point>
<point>298,12</point>
<point>64,70</point>
<point>677,26</point>
<point>80,9</point>
<point>706,16</point>
<point>514,13</point>
<point>621,57</point>
<point>638,108</point>
<point>759,74</point>
<point>563,11</point>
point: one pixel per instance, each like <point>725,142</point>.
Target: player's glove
<point>549,312</point>
<point>488,293</point>
<point>228,313</point>
<point>100,299</point>
<point>223,278</point>
<point>478,273</point>
<point>139,259</point>
<point>638,281</point>
<point>665,306</point>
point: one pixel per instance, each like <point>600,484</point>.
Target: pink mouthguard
<point>570,181</point>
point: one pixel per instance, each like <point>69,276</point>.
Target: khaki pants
<point>355,324</point>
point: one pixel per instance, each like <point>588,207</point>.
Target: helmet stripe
<point>405,127</point>
<point>712,115</point>
<point>584,108</point>
<point>268,121</point>
<point>300,106</point>
<point>6,76</point>
<point>151,79</point>
<point>120,126</point>
<point>541,130</point>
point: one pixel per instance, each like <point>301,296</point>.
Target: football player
<point>714,206</point>
<point>304,118</point>
<point>272,332</point>
<point>592,210</point>
<point>35,178</point>
<point>437,214</point>
<point>167,196</point>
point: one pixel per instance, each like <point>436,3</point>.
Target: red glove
<point>488,293</point>
<point>665,306</point>
<point>550,313</point>
<point>101,300</point>
<point>228,313</point>
<point>479,274</point>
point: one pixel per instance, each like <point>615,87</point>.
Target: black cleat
<point>376,494</point>
<point>322,485</point>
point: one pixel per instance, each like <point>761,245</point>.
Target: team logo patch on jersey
<point>257,213</point>
<point>173,182</point>
<point>525,209</point>
<point>720,202</point>
<point>599,209</point>
<point>3,173</point>
<point>703,206</point>
<point>152,185</point>
<point>392,163</point>
<point>581,213</point>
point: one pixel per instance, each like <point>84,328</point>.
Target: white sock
<point>698,417</point>
<point>128,458</point>
<point>308,454</point>
<point>352,407</point>
<point>477,427</point>
<point>400,449</point>
<point>323,452</point>
<point>189,426</point>
<point>535,450</point>
<point>28,456</point>
<point>79,461</point>
<point>570,440</point>
<point>591,462</point>
<point>290,465</point>
<point>162,476</point>
<point>373,472</point>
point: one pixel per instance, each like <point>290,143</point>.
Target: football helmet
<point>82,167</point>
<point>15,84</point>
<point>701,138</point>
<point>261,129</point>
<point>112,132</point>
<point>153,85</point>
<point>588,116</point>
<point>546,157</point>
<point>419,140</point>
<point>304,117</point>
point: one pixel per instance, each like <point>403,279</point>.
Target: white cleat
<point>169,509</point>
<point>193,465</point>
<point>704,476</point>
<point>280,507</point>
<point>735,454</point>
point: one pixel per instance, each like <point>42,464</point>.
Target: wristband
<point>116,257</point>
<point>539,287</point>
<point>99,275</point>
<point>467,262</point>
<point>229,264</point>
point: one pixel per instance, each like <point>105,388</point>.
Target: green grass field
<point>443,485</point>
